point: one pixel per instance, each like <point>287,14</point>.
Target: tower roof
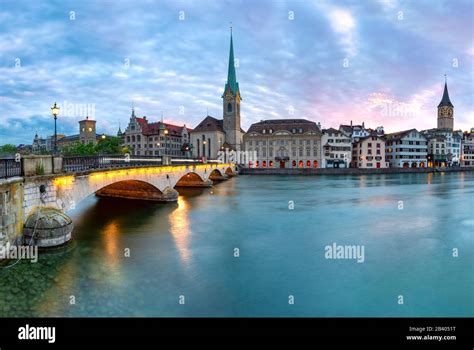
<point>445,101</point>
<point>231,76</point>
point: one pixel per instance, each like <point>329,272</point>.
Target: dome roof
<point>48,218</point>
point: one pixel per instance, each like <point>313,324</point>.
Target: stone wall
<point>11,210</point>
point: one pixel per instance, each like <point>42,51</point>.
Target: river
<point>255,246</point>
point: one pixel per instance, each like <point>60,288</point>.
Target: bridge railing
<point>10,167</point>
<point>83,163</point>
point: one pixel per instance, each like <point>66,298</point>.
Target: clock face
<point>229,97</point>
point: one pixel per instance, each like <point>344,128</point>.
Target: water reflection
<point>180,229</point>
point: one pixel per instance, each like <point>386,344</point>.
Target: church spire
<point>231,76</point>
<point>445,101</point>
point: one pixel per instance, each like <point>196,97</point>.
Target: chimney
<point>144,117</point>
<point>363,125</point>
<point>351,122</point>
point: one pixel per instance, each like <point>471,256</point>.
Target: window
<point>308,152</point>
<point>315,164</point>
<point>369,144</point>
<point>271,164</point>
<point>300,152</point>
<point>378,145</point>
<point>257,163</point>
<point>229,107</point>
<point>308,164</point>
<point>300,164</point>
<point>293,164</point>
<point>209,148</point>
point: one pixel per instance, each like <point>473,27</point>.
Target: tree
<point>8,149</point>
<point>79,149</point>
<point>110,145</point>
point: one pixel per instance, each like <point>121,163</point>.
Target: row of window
<point>281,142</point>
<point>263,152</point>
<point>309,164</point>
<point>138,138</point>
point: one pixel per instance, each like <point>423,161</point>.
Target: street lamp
<point>166,141</point>
<point>55,113</point>
<point>103,136</point>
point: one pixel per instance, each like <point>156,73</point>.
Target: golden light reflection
<point>63,181</point>
<point>110,238</point>
<point>180,228</point>
<point>430,178</point>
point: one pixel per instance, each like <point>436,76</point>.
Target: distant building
<point>284,143</point>
<point>355,131</point>
<point>406,149</point>
<point>369,152</point>
<point>156,139</point>
<point>445,111</point>
<point>336,149</point>
<point>444,144</point>
<point>467,156</point>
<point>213,135</point>
<point>87,135</point>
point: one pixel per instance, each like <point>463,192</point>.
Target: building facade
<point>284,143</point>
<point>336,149</point>
<point>213,135</point>
<point>467,156</point>
<point>406,149</point>
<point>156,139</point>
<point>369,152</point>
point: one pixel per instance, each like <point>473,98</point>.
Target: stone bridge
<point>21,196</point>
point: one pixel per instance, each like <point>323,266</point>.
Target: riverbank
<point>346,171</point>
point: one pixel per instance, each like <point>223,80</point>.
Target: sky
<point>379,62</point>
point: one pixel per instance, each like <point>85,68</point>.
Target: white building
<point>406,149</point>
<point>336,149</point>
<point>467,156</point>
<point>284,143</point>
<point>369,152</point>
<point>156,139</point>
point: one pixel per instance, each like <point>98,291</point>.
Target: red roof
<point>154,128</point>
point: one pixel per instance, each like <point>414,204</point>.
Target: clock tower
<point>445,111</point>
<point>231,104</point>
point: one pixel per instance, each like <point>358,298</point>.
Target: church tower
<point>445,110</point>
<point>231,104</point>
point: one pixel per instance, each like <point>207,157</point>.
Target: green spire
<point>231,76</point>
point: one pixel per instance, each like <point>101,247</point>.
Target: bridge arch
<point>135,189</point>
<point>192,179</point>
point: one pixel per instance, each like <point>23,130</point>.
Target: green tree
<point>110,145</point>
<point>8,149</point>
<point>79,149</point>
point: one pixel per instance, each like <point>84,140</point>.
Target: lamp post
<point>55,113</point>
<point>166,141</point>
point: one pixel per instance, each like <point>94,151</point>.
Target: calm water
<point>188,249</point>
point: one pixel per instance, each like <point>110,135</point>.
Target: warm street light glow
<point>55,110</point>
<point>166,131</point>
<point>103,136</point>
<point>203,142</point>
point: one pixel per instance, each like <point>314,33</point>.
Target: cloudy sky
<point>382,62</point>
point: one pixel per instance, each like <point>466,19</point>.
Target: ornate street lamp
<point>55,113</point>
